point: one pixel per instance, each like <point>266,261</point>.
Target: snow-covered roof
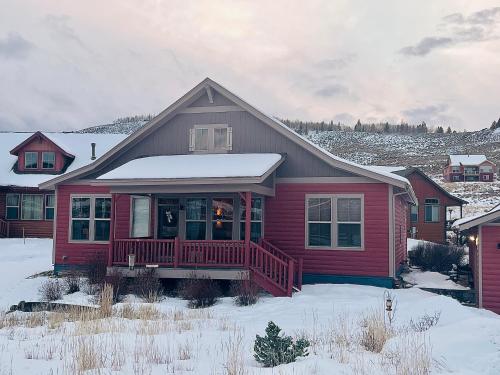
<point>472,221</point>
<point>73,143</point>
<point>457,160</point>
<point>387,168</point>
<point>195,166</point>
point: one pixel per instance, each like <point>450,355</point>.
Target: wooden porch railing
<point>272,269</point>
<point>4,228</point>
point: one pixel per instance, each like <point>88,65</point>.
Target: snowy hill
<point>124,125</point>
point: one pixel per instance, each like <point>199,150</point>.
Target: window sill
<point>335,248</point>
<point>87,242</point>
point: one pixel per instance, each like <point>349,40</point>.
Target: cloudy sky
<point>70,64</point>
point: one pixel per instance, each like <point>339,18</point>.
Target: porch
<point>267,265</point>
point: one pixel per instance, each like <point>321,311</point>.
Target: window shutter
<point>191,139</point>
<point>229,138</point>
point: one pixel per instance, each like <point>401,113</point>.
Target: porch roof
<point>195,169</point>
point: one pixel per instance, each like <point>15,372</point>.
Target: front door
<point>168,218</point>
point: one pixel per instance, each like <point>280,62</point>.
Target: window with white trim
<point>48,160</point>
<point>431,210</point>
<point>141,216</point>
<point>210,138</point>
<point>196,218</point>
<point>32,207</point>
<point>12,202</point>
<point>49,206</point>
<point>455,169</point>
<point>90,218</point>
<point>31,160</point>
<point>334,221</point>
<point>414,213</point>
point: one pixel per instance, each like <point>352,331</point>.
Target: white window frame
<point>334,222</point>
<point>91,218</point>
<point>416,213</point>
<point>455,169</point>
<point>43,159</point>
<point>132,197</point>
<point>21,208</point>
<point>438,204</point>
<point>211,138</point>
<point>37,161</point>
<point>9,206</point>
<point>45,206</point>
<point>486,177</point>
<point>208,217</point>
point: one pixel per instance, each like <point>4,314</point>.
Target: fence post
<point>176,252</point>
<point>299,273</point>
<point>290,278</point>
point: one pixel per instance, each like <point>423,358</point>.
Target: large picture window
<point>90,218</point>
<point>141,214</point>
<point>334,221</point>
<point>432,210</point>
<point>48,160</point>
<point>12,206</point>
<point>30,160</point>
<point>222,218</point>
<point>196,218</point>
<point>255,217</point>
<point>32,207</point>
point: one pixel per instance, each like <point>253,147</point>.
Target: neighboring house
<point>436,209</point>
<point>483,233</point>
<point>29,159</point>
<point>214,186</point>
<point>469,168</point>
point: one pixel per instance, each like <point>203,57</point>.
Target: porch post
<point>248,223</point>
<point>111,230</point>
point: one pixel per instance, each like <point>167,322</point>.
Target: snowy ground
<point>210,341</point>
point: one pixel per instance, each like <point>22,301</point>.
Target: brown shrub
<point>200,293</point>
<point>51,290</point>
<point>147,285</point>
<point>246,292</point>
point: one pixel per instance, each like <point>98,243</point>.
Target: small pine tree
<point>440,130</point>
<point>275,348</point>
<point>448,131</point>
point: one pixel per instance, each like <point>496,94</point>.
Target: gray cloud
<point>60,28</point>
<point>476,27</point>
<point>344,118</point>
<point>337,63</point>
<point>14,46</point>
<point>331,90</point>
<point>426,45</point>
<point>428,113</point>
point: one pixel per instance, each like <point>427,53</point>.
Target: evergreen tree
<point>275,348</point>
<point>440,130</point>
<point>448,131</point>
<point>358,127</point>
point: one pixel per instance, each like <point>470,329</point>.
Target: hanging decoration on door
<point>171,219</point>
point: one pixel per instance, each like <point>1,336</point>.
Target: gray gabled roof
<point>171,111</point>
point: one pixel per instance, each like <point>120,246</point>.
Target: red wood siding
<point>40,145</point>
<point>285,227</point>
<point>32,228</point>
<point>490,237</point>
<point>434,232</point>
<point>74,253</point>
<point>400,230</point>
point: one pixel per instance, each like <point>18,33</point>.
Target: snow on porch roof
<point>195,166</point>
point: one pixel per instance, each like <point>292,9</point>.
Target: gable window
<point>48,160</point>
<point>455,169</point>
<point>90,218</point>
<point>32,207</point>
<point>255,219</point>
<point>12,206</point>
<point>432,210</point>
<point>414,214</point>
<point>196,218</point>
<point>334,221</point>
<point>30,160</point>
<point>141,214</point>
<point>210,138</point>
<point>49,206</point>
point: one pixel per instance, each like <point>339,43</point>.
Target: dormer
<point>40,155</point>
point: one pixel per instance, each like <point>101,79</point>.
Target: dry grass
<point>234,354</point>
<point>410,354</point>
<point>374,331</point>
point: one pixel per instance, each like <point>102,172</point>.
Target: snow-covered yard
<point>212,340</point>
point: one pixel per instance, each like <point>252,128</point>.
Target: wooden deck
<point>270,267</point>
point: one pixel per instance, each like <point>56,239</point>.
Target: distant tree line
<point>304,127</point>
<point>495,125</point>
<point>136,118</point>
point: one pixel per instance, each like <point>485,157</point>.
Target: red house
<point>483,232</point>
<point>214,186</point>
<point>29,159</point>
<point>469,168</point>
